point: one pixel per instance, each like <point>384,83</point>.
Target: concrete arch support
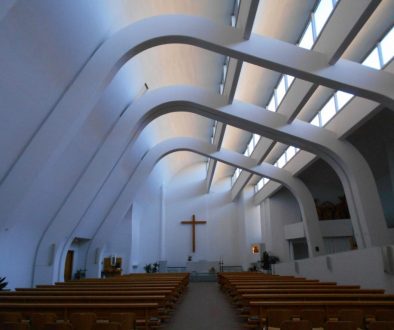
<point>360,188</point>
<point>300,191</point>
<point>69,114</point>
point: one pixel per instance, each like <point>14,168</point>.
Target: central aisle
<point>204,307</point>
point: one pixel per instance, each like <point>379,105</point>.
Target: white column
<point>128,268</point>
<point>135,241</point>
<point>162,252</point>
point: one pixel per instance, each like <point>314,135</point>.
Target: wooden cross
<point>193,223</point>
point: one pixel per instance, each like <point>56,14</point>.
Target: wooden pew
<point>97,287</point>
<point>165,305</point>
<point>160,299</point>
<point>234,291</point>
<point>258,309</point>
<point>336,289</point>
<point>244,296</point>
<point>174,292</point>
<point>144,311</point>
<point>245,299</point>
<point>147,296</point>
<point>37,292</point>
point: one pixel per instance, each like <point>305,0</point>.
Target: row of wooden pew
<point>147,299</point>
<point>297,303</point>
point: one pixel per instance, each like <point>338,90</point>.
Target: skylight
<point>373,60</point>
<point>382,53</point>
<point>307,39</point>
<point>262,182</point>
<point>315,25</point>
<point>322,13</point>
<point>248,152</point>
<point>376,59</point>
<point>387,47</point>
<point>289,153</point>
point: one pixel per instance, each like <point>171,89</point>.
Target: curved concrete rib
<point>71,111</point>
<point>122,204</point>
<point>360,188</point>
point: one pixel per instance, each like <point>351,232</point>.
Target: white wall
<point>120,243</point>
<point>146,215</point>
<point>186,195</point>
<point>276,212</point>
<point>366,269</point>
<point>249,227</point>
<point>43,47</point>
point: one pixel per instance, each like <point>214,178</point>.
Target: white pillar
<point>162,252</point>
<point>135,241</point>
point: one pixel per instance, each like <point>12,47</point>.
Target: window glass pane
<point>265,180</point>
<point>221,88</point>
<point>271,105</point>
<point>281,161</point>
<point>290,152</point>
<point>260,184</point>
<point>250,147</point>
<point>256,139</point>
<point>224,72</point>
<point>328,111</point>
<point>343,98</point>
<point>387,46</point>
<point>289,80</point>
<point>236,174</point>
<point>233,20</point>
<point>322,13</point>
<point>315,121</point>
<point>373,60</point>
<point>281,90</point>
<point>307,38</point>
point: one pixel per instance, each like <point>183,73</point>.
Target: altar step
<point>232,269</point>
<point>203,277</point>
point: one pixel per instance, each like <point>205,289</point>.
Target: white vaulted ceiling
<point>177,64</point>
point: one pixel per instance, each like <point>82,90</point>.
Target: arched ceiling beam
<point>71,111</point>
<point>122,204</point>
<point>246,16</point>
<point>344,24</point>
<point>359,185</point>
<point>350,166</point>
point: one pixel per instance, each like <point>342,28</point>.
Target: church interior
<point>196,135</point>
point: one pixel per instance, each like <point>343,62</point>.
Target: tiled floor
<point>204,307</point>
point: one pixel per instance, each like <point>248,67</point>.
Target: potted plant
<point>81,273</point>
<point>3,284</point>
<point>268,260</point>
<point>152,268</point>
